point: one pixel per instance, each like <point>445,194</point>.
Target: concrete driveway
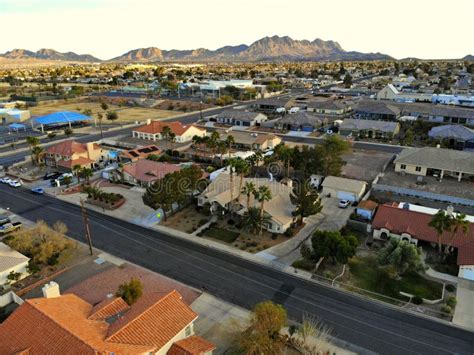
<point>464,311</point>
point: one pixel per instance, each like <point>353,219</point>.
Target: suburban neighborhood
<point>282,197</point>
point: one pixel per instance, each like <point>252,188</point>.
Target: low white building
<point>343,188</point>
<point>12,261</point>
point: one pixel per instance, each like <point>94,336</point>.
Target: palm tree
<point>171,139</point>
<point>264,194</point>
<point>197,141</point>
<point>441,222</point>
<point>32,142</point>
<point>458,222</point>
<point>241,168</point>
<point>231,165</point>
<point>252,219</point>
<point>254,160</point>
<point>36,151</point>
<point>221,149</point>
<point>76,169</point>
<point>86,173</point>
<point>100,116</point>
<point>165,132</point>
<point>248,190</point>
<point>284,154</point>
<point>229,142</point>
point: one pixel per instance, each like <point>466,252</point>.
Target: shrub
<point>328,275</point>
<point>304,264</point>
<point>230,222</point>
<point>447,309</point>
<point>451,301</point>
<point>202,221</point>
<point>289,232</point>
<point>243,247</point>
<point>417,300</point>
<point>274,236</point>
<point>450,288</point>
<point>131,291</point>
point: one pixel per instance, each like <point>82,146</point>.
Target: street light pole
<point>87,232</point>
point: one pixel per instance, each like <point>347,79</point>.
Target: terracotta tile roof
<point>148,170</point>
<point>153,319</point>
<point>193,345</point>
<point>399,220</point>
<point>58,326</point>
<point>70,163</point>
<point>68,147</point>
<point>108,308</point>
<point>368,205</point>
<point>157,126</point>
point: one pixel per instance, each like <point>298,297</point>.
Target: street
<point>368,324</point>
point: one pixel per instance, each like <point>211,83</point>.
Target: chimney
<point>90,150</point>
<point>51,290</point>
<point>148,122</point>
<point>450,210</point>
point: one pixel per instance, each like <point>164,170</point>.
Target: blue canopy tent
<point>16,127</point>
<point>58,118</point>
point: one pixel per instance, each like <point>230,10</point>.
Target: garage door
<point>343,195</point>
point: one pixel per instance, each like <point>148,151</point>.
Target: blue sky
<point>108,28</point>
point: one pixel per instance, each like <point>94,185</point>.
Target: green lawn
<point>221,234</point>
<point>368,275</point>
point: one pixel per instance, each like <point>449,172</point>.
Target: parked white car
<point>14,183</point>
<point>344,203</point>
<point>294,110</point>
<point>5,180</point>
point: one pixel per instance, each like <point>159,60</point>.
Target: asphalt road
<point>365,323</point>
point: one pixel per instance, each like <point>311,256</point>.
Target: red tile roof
<point>69,147</point>
<point>69,325</point>
<point>108,308</point>
<point>157,126</point>
<point>153,319</point>
<point>148,170</point>
<point>193,345</point>
<point>399,220</point>
<point>79,161</point>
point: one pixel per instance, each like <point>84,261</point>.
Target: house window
<point>187,331</point>
<point>418,168</point>
<point>403,166</point>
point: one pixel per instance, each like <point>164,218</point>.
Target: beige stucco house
<point>69,153</point>
<point>153,131</point>
<point>437,162</point>
<point>279,209</point>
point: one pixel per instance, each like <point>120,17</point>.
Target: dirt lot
<point>364,165</point>
<point>125,114</point>
<point>187,220</point>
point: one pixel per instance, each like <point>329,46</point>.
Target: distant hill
<point>469,58</point>
<point>49,54</point>
<point>266,49</point>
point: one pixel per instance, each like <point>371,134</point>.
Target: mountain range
<point>274,48</point>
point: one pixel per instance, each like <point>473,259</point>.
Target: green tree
<point>347,80</point>
<point>158,196</point>
<point>112,115</point>
<point>263,195</point>
<point>86,173</point>
<point>68,132</point>
<point>242,168</point>
<point>229,142</point>
<point>458,223</point>
<point>32,142</point>
<point>248,190</point>
<point>263,334</point>
<point>331,150</point>
<point>131,291</point>
<point>441,222</point>
<point>36,151</point>
<point>308,202</point>
<point>67,180</point>
<point>253,220</point>
<point>76,170</point>
<point>331,244</point>
<point>401,255</point>
<point>284,154</point>
<point>104,106</point>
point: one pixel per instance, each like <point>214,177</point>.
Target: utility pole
<point>85,220</point>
